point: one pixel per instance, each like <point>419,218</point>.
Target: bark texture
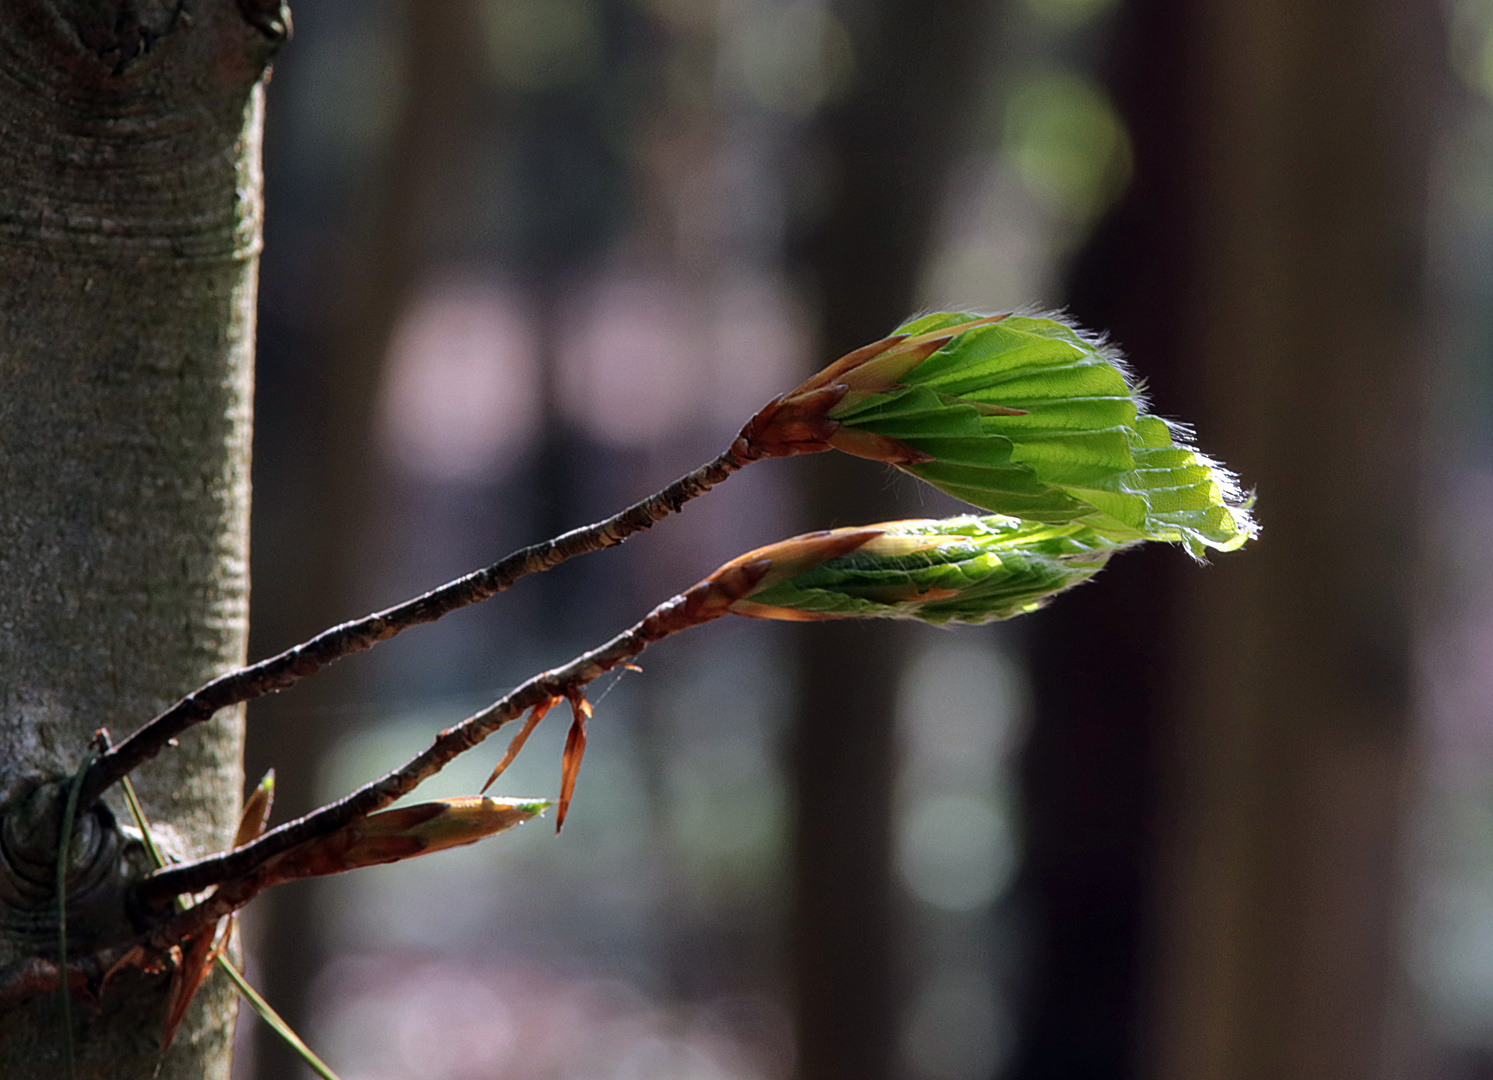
<point>129,232</point>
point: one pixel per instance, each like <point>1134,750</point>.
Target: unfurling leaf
<point>403,833</point>
<point>1022,415</point>
<point>799,422</point>
<point>963,569</point>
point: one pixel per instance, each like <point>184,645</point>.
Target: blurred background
<point>528,260</point>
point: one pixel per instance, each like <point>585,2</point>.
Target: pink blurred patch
<point>441,1019</point>
<point>461,394</point>
<point>644,359</point>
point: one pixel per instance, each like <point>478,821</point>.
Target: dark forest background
<point>528,260</point>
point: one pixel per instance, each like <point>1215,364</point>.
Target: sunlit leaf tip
<point>966,569</point>
<point>1084,446</point>
<point>1022,415</point>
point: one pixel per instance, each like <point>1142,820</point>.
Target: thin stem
<point>244,872</point>
<point>285,669</point>
<point>275,1021</point>
<point>702,603</point>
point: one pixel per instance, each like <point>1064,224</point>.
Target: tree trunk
<point>129,232</point>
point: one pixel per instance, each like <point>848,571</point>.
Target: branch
<point>706,601</point>
<point>793,423</point>
<point>285,669</point>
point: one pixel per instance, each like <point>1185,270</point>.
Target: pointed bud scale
<point>761,569</point>
<point>570,761</point>
<point>1029,417</point>
<point>964,569</point>
<point>536,714</point>
<point>192,965</point>
<point>800,422</point>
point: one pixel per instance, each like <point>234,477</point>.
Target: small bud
<point>256,810</point>
<point>403,833</point>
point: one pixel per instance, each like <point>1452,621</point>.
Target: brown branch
<point>285,669</point>
<point>244,872</point>
<point>704,602</point>
<point>791,424</point>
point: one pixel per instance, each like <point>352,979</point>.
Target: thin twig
<point>244,872</point>
<point>706,601</point>
<point>284,669</point>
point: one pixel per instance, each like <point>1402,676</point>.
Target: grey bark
<point>129,232</point>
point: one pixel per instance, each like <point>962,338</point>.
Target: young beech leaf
<point>1021,415</point>
<point>964,569</point>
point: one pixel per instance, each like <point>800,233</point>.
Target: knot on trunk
<point>120,32</point>
<point>102,862</point>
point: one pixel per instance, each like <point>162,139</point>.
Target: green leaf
<point>1083,449</point>
<point>964,569</point>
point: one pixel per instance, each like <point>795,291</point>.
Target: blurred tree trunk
<point>129,238</point>
<point>322,556</point>
<point>1292,685</point>
<point>1240,917</point>
<point>888,148</point>
<point>1090,773</point>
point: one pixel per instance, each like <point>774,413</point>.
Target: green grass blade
<point>274,1020</point>
<point>132,800</point>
